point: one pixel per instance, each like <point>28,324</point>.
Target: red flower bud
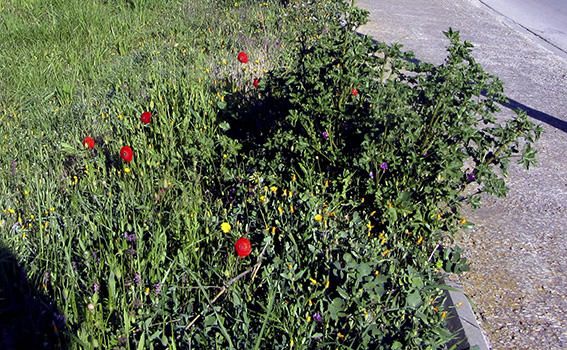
<point>89,142</point>
<point>256,83</point>
<point>354,92</point>
<point>126,154</point>
<point>146,117</point>
<point>243,247</point>
<point>242,57</point>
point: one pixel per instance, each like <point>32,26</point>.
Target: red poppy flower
<point>256,83</point>
<point>354,92</point>
<point>89,142</point>
<point>242,57</point>
<point>126,154</point>
<point>146,117</point>
<point>243,247</point>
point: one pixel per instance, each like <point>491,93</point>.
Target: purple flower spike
<point>137,278</point>
<point>317,317</point>
<point>384,166</point>
<point>96,287</point>
<point>157,288</point>
<point>371,174</point>
<point>325,135</point>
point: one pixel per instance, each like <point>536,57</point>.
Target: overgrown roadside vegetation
<point>342,163</point>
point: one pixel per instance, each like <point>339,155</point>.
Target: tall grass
<point>114,245</point>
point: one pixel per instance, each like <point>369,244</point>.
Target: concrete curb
<point>462,322</point>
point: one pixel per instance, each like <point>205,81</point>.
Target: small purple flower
<point>157,288</point>
<point>470,177</point>
<point>317,317</point>
<point>384,166</point>
<point>371,174</point>
<point>137,278</point>
<point>96,287</point>
<point>325,135</point>
<point>130,237</point>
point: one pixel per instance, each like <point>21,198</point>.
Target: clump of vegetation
<point>294,196</point>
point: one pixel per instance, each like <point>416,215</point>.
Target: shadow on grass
<point>28,319</point>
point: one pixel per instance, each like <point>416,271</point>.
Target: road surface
<point>545,18</point>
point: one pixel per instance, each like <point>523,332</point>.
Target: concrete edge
<point>462,322</point>
<point>527,32</point>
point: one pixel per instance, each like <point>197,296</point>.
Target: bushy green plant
<point>383,148</point>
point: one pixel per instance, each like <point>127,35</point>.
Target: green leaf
<point>413,299</point>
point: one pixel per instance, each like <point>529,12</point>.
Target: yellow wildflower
<point>147,291</point>
<point>291,208</point>
<point>225,227</point>
<point>373,213</point>
<point>419,240</point>
<point>313,281</point>
<point>340,335</point>
<point>369,226</point>
<point>11,211</point>
<point>127,170</point>
<point>327,283</point>
<point>274,189</point>
<point>310,302</point>
<point>273,230</point>
<point>318,217</point>
<point>308,318</point>
<point>443,314</point>
<point>280,210</point>
<point>386,252</point>
<point>262,199</point>
<point>463,221</point>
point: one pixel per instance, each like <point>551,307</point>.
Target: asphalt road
<point>544,18</point>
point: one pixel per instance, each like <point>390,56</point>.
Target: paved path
<point>518,250</point>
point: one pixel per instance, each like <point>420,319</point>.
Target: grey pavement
<point>544,18</point>
<point>518,248</point>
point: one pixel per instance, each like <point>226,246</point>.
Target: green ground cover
<point>344,165</point>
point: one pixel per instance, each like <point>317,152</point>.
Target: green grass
<point>74,68</point>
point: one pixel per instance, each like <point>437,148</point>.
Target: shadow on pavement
<point>28,319</point>
<point>538,115</point>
